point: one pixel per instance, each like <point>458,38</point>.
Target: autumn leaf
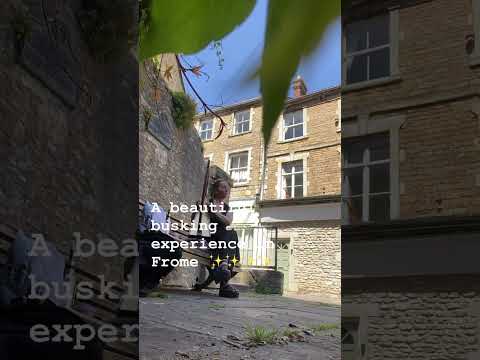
<point>168,73</point>
<point>197,70</point>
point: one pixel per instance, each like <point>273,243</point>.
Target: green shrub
<point>183,110</point>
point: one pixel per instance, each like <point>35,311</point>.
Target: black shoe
<point>197,287</point>
<point>228,291</point>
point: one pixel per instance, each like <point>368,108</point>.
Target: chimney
<point>299,87</point>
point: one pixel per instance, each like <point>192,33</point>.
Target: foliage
<point>265,290</point>
<point>109,26</point>
<point>157,294</point>
<point>293,30</point>
<point>260,335</point>
<point>183,109</point>
<point>147,115</point>
<point>325,327</point>
<point>172,26</point>
<point>217,47</point>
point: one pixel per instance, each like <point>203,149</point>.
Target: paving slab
<point>189,325</point>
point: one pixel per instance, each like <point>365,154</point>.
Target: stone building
<point>299,204</point>
<point>410,179</point>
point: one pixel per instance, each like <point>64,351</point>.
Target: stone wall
<point>416,318</point>
<point>171,164</point>
<point>316,256</point>
<point>68,135</point>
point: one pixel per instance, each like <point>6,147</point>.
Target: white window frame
<point>200,131</point>
<point>364,125</point>
<point>282,129</point>
<point>394,33</point>
<point>285,159</point>
<point>234,122</point>
<point>366,194</point>
<point>292,175</point>
<point>249,162</point>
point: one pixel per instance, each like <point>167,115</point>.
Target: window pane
<point>287,167</point>
<point>380,63</point>
<point>298,179</point>
<point>298,165</point>
<point>206,125</point>
<point>298,117</point>
<point>293,117</point>
<point>354,180</point>
<point>354,209</point>
<point>298,191</point>
<point>288,119</point>
<point>357,69</point>
<point>353,150</point>
<point>379,31</point>
<point>379,208</point>
<point>287,180</point>
<point>356,36</point>
<point>238,128</point>
<point>243,160</point>
<point>380,178</point>
<point>379,146</point>
<point>242,115</point>
<point>289,133</point>
<point>298,131</point>
<point>287,192</point>
<point>234,162</point>
<point>239,175</point>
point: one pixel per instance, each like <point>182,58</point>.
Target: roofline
<point>318,97</point>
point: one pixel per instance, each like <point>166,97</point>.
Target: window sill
<point>242,184</point>
<point>240,134</point>
<point>206,141</point>
<point>371,83</point>
<point>294,139</point>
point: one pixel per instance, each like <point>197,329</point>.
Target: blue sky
<point>242,50</point>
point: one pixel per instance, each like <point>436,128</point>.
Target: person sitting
<point>221,272</point>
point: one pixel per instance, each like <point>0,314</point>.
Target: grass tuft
<point>260,335</point>
<point>325,327</point>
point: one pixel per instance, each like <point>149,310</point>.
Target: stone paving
<point>181,324</point>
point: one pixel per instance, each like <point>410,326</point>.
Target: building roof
<point>316,97</point>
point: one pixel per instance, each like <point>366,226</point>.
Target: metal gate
<point>258,246</point>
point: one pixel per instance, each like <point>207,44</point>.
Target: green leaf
<point>294,29</point>
<point>187,26</point>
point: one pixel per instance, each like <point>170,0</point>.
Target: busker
<point>221,272</point>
